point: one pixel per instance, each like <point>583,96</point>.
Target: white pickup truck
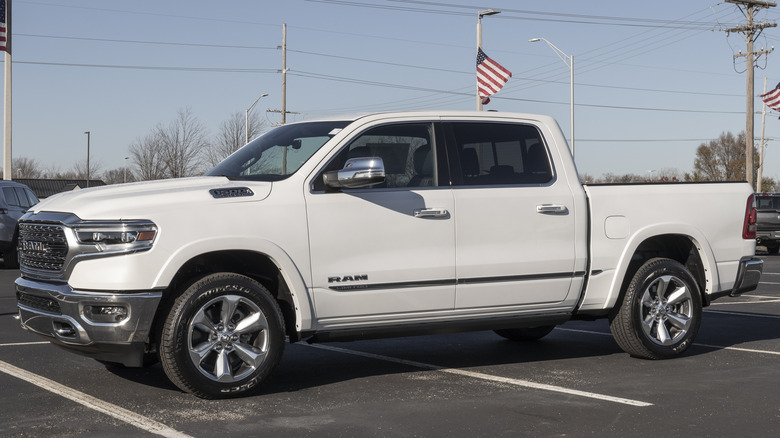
<point>381,225</point>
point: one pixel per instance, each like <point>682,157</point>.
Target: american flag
<point>491,76</point>
<point>772,99</point>
<point>3,35</point>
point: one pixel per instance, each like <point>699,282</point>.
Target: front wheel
<point>222,338</point>
<point>661,311</point>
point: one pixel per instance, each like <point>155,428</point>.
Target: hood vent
<point>235,192</point>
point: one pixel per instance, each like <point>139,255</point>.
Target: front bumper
<point>57,312</point>
<point>748,275</point>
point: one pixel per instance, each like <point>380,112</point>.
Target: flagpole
<point>7,155</point>
<point>479,44</point>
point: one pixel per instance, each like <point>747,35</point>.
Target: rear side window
<point>495,153</point>
<point>10,196</point>
<point>24,201</point>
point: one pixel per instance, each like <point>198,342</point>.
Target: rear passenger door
<point>515,223</point>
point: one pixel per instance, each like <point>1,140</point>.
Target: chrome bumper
<point>748,275</point>
<point>57,312</point>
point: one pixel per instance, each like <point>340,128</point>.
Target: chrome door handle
<point>431,212</point>
<point>551,209</point>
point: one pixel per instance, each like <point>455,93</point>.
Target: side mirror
<point>357,172</point>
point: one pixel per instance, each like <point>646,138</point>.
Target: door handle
<point>551,209</point>
<point>431,213</point>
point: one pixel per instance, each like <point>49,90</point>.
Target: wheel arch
<point>687,247</point>
<point>273,269</point>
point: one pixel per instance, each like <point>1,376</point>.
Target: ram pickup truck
<point>389,224</point>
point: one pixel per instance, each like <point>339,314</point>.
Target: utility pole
<point>283,111</point>
<point>751,30</point>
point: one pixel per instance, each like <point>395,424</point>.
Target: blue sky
<point>653,80</point>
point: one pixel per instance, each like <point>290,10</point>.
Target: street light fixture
<point>479,43</point>
<point>246,117</point>
<point>569,61</point>
<point>87,132</point>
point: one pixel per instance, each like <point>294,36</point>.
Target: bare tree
<point>118,176</point>
<point>722,159</point>
<point>146,155</point>
<point>183,143</point>
<point>79,170</point>
<point>232,136</point>
<point>172,151</point>
<point>26,168</point>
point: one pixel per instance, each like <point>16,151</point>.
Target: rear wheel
<point>526,333</point>
<point>661,311</point>
<point>223,337</point>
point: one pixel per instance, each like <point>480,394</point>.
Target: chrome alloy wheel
<point>228,338</point>
<point>667,310</point>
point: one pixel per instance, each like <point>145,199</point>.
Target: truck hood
<point>146,200</point>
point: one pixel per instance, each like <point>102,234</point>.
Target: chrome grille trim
<point>42,247</point>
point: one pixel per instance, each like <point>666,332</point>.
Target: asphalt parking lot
<point>575,382</point>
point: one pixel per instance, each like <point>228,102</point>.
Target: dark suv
<point>15,199</point>
<point>768,221</point>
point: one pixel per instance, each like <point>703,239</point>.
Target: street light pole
<point>569,61</point>
<point>246,118</point>
<point>87,132</point>
<point>479,43</point>
<point>126,169</point>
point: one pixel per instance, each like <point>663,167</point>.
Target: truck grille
<point>46,304</point>
<point>42,247</point>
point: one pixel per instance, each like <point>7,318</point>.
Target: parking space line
<point>19,344</point>
<point>719,347</point>
<point>93,403</point>
<point>747,315</point>
<point>731,303</point>
<point>482,376</point>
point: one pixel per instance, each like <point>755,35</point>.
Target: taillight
<point>749,227</point>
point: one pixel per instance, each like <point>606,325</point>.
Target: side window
<point>10,196</point>
<point>406,150</point>
<point>494,153</point>
<point>24,201</point>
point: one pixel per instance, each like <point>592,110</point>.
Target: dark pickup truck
<point>768,221</point>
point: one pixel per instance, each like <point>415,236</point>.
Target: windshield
<point>278,153</point>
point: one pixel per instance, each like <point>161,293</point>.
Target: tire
<point>222,337</point>
<point>772,249</point>
<point>526,333</point>
<point>660,314</point>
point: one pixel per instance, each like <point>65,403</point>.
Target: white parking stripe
<point>482,376</point>
<point>750,315</point>
<point>93,403</point>
<point>18,344</point>
<point>732,303</point>
<point>719,347</point>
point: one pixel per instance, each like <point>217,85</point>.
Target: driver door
<point>384,253</point>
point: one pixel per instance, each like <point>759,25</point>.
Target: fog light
<point>105,314</point>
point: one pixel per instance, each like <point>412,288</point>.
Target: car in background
<point>15,199</point>
<point>768,221</point>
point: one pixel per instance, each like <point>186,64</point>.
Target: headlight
<point>120,236</point>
